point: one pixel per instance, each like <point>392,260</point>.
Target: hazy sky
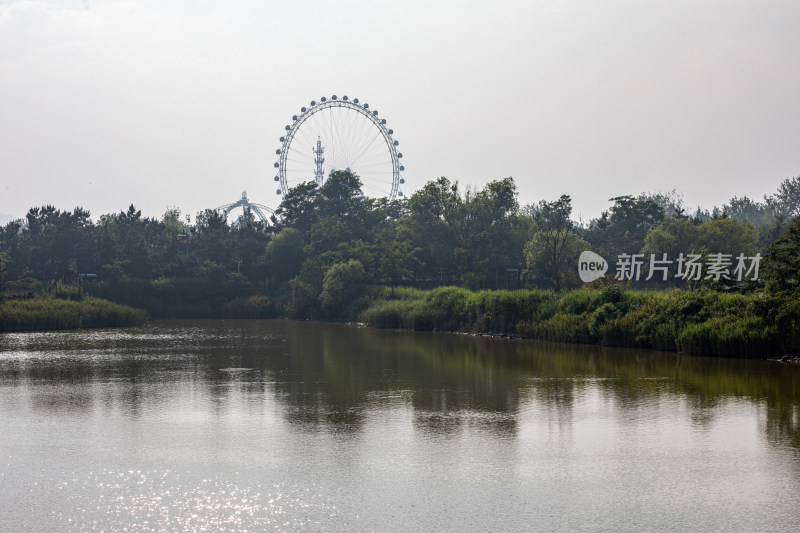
<point>156,103</point>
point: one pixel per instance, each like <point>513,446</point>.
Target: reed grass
<point>257,306</point>
<point>48,313</point>
<point>691,322</point>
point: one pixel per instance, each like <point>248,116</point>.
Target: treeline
<point>329,248</point>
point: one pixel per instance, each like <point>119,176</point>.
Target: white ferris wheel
<point>340,134</point>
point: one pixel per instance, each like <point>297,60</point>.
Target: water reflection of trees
<point>331,376</point>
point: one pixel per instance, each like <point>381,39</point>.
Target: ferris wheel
<point>340,134</point>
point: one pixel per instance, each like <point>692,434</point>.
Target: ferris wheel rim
<point>354,105</point>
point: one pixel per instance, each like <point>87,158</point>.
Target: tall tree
<point>786,201</point>
<point>623,228</point>
<point>282,258</point>
<point>782,264</point>
<point>553,251</point>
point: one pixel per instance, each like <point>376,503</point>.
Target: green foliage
<point>728,236</point>
<point>4,260</point>
<point>553,251</point>
<point>560,327</point>
<point>422,318</point>
<point>624,227</point>
<point>283,257</point>
<point>257,306</point>
<point>579,302</point>
<point>786,201</point>
<point>473,236</point>
<point>757,213</point>
<point>782,264</point>
<point>729,336</point>
<point>675,236</point>
<point>706,322</point>
<point>554,257</point>
<point>55,313</point>
<point>342,285</point>
<point>397,259</point>
<point>602,315</point>
<point>305,262</point>
<point>387,313</point>
<point>501,311</point>
<point>782,274</point>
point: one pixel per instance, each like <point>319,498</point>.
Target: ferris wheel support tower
<point>319,173</point>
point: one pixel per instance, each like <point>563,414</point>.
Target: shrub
<point>55,314</point>
<point>257,306</point>
<point>612,294</point>
<point>342,285</point>
<point>727,336</point>
<point>559,328</point>
<point>604,313</point>
<point>387,314</point>
<point>580,301</point>
<point>422,318</point>
<point>451,305</point>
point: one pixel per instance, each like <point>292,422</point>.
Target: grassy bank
<point>187,298</point>
<point>53,313</point>
<point>707,322</point>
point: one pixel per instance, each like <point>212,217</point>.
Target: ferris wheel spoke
<point>367,147</point>
<point>379,190</point>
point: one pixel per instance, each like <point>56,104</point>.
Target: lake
<point>287,425</point>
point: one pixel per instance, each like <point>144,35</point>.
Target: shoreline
<point>706,323</point>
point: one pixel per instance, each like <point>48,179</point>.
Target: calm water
<point>281,425</point>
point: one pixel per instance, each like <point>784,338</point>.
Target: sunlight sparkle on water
<point>170,501</point>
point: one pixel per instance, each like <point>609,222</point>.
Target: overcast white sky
<point>182,103</point>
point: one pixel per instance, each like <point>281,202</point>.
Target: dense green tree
<point>623,228</point>
<point>786,201</point>
<point>11,241</point>
<point>57,244</point>
<point>499,231</point>
<point>430,224</point>
<point>212,238</point>
<point>782,264</point>
<point>552,253</point>
<point>675,236</point>
<point>396,262</point>
<point>343,283</point>
<point>727,236</point>
<point>782,274</point>
<point>327,233</point>
<point>298,208</point>
<point>341,196</point>
<point>4,261</point>
<point>283,257</point>
<point>555,257</point>
<point>670,202</point>
<point>130,241</point>
<point>471,234</point>
<point>744,208</point>
<point>306,287</point>
<point>250,237</point>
